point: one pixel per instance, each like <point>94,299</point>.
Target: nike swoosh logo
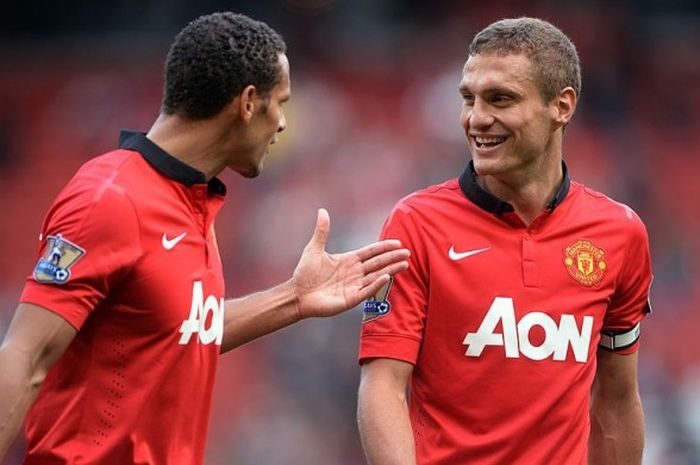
<point>460,255</point>
<point>168,244</point>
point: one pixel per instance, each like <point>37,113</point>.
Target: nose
<point>478,115</point>
<point>282,123</point>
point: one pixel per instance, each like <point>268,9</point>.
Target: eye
<point>501,99</point>
<point>468,99</point>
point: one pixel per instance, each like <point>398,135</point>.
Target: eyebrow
<point>463,88</point>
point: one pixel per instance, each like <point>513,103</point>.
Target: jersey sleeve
<point>89,241</point>
<point>393,321</point>
<point>630,302</point>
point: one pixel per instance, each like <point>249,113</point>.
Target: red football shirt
<point>128,257</point>
<point>502,321</point>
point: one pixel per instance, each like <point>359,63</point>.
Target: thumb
<point>323,226</point>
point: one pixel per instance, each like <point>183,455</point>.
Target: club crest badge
<point>60,255</point>
<point>585,262</point>
<point>378,305</point>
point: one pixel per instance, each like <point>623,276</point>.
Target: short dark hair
<point>553,55</point>
<point>214,58</point>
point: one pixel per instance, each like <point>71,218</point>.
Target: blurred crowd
<point>374,116</point>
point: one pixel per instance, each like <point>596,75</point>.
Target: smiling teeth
<point>489,140</point>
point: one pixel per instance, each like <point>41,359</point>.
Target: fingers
<point>382,260</point>
<point>373,288</point>
<point>323,226</point>
<point>380,268</point>
<point>389,270</point>
<point>377,248</point>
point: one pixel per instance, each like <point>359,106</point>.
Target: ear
<point>246,103</point>
<point>564,105</point>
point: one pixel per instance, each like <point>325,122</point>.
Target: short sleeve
<point>630,302</point>
<point>89,242</point>
<point>393,323</point>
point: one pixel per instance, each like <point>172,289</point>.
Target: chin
<point>485,167</point>
<point>250,171</point>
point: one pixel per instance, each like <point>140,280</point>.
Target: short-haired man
<point>516,327</point>
<point>123,320</point>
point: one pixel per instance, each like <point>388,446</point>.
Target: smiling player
<point>525,292</point>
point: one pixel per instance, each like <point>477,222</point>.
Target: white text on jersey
<point>515,337</point>
<point>199,313</point>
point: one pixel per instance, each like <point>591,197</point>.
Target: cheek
<point>540,127</point>
<point>464,117</point>
<point>527,123</point>
<point>275,123</point>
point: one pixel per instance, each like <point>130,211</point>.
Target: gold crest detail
<point>585,262</point>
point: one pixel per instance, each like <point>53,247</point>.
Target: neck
<point>528,193</point>
<point>196,143</point>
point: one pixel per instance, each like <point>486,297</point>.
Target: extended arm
<point>34,341</point>
<point>617,419</point>
<point>322,285</point>
<point>382,413</point>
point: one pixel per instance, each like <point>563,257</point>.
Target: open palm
<point>327,284</point>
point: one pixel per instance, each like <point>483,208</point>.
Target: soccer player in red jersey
<point>115,342</point>
<point>516,326</point>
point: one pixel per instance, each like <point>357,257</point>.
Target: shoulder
<point>605,208</point>
<point>116,166</point>
<point>108,176</point>
<point>413,212</point>
<point>99,189</point>
<point>430,198</point>
<point>616,215</point>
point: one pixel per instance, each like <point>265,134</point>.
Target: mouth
<point>488,142</point>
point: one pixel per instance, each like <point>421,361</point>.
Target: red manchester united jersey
<point>129,258</point>
<point>502,320</point>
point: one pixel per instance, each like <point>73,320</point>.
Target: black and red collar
<point>166,164</point>
<point>492,204</point>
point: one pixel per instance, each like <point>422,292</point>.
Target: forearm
<point>385,428</point>
<point>248,318</point>
<point>18,389</point>
<point>617,431</point>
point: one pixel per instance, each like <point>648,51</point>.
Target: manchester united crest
<point>585,262</point>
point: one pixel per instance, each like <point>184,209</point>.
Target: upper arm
<point>393,323</point>
<point>37,337</point>
<point>89,242</point>
<point>385,374</point>
<point>616,375</point>
<point>630,301</point>
<point>382,412</point>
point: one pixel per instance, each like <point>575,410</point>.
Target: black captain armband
<point>618,340</point>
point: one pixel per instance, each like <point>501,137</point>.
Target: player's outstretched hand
<point>327,284</point>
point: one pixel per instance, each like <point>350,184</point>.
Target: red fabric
<point>522,396</point>
<point>128,390</point>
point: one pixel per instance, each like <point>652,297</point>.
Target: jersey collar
<point>492,204</point>
<point>165,163</point>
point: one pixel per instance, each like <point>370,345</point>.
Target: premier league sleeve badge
<point>60,255</point>
<point>378,305</point>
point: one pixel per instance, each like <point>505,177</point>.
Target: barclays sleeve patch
<point>378,305</point>
<point>60,255</point>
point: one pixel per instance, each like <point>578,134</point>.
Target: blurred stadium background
<point>374,116</point>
